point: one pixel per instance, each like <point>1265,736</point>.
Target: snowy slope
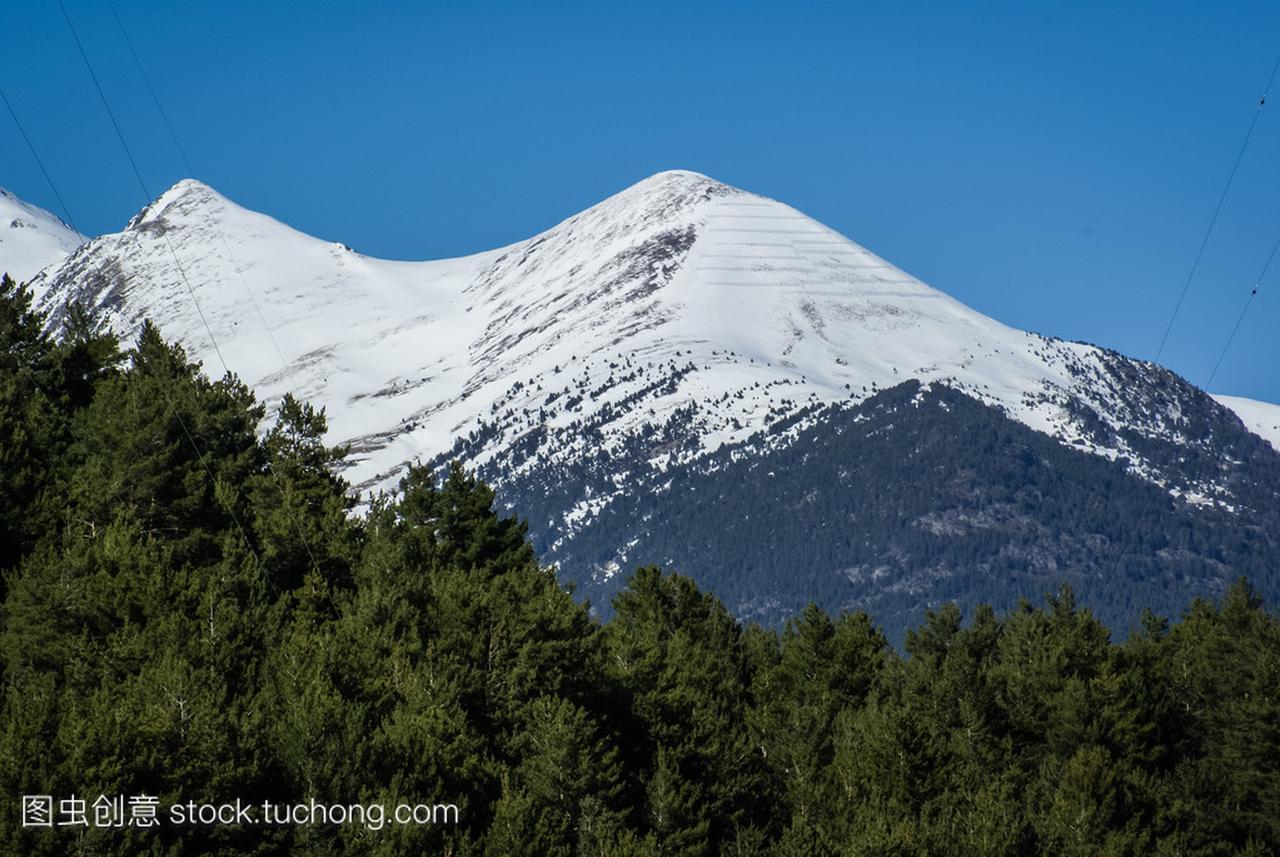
<point>31,238</point>
<point>677,301</point>
<point>1261,418</point>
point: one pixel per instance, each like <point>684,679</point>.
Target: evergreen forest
<point>194,609</point>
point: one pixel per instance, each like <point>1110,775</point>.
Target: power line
<point>141,183</point>
<point>155,98</point>
<point>192,173</point>
<point>66,212</point>
<point>103,96</point>
<point>1217,210</point>
<point>34,377</point>
<point>1253,293</point>
<point>226,246</point>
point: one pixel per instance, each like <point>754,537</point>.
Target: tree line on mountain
<point>912,497</point>
<point>192,611</point>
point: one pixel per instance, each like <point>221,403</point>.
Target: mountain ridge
<point>653,233</point>
<point>31,238</point>
<point>677,328</point>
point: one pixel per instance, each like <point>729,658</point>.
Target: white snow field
<point>1261,418</point>
<point>31,238</point>
<point>745,305</point>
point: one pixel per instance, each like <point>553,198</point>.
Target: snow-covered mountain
<point>676,330</point>
<point>31,238</point>
<point>1261,418</point>
<point>677,291</point>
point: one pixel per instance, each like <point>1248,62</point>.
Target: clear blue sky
<point>1052,164</point>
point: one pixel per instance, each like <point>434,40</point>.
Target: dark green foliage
<point>919,496</point>
<point>301,505</point>
<point>192,611</point>
<point>678,655</point>
<point>29,432</point>
<point>43,385</point>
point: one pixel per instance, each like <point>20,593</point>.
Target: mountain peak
<point>31,238</point>
<point>189,187</point>
<point>188,202</point>
<point>674,188</point>
<point>185,192</point>
<point>687,178</point>
<point>663,201</point>
<point>678,329</point>
<point>735,296</point>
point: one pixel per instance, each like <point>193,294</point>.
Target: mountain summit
<point>654,333</point>
<point>759,309</point>
<point>31,238</point>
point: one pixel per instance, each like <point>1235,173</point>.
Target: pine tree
<point>170,446</point>
<point>31,433</point>
<point>193,610</point>
<point>563,794</point>
<point>823,668</point>
<point>678,654</point>
<point>301,505</point>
